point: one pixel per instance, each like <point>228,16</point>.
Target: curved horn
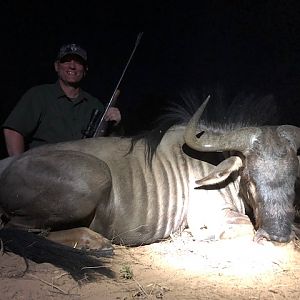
<point>191,128</point>
<point>293,133</point>
<point>239,139</point>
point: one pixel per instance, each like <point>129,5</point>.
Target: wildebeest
<point>80,192</point>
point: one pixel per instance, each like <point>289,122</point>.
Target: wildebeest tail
<point>79,264</point>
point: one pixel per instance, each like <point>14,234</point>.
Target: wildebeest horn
<point>292,133</point>
<point>239,139</point>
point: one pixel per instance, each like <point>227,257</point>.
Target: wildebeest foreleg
<point>212,216</point>
<point>236,225</point>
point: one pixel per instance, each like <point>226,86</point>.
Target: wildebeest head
<point>266,161</point>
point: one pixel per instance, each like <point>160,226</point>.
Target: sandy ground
<point>179,268</point>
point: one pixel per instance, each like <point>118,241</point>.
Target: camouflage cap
<point>70,49</point>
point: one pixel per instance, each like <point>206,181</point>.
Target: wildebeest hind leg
<point>81,238</point>
<point>54,190</point>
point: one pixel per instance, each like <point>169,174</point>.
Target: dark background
<point>251,46</point>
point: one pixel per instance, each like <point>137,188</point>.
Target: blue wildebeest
<point>89,192</point>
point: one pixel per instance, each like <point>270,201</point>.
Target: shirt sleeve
<point>26,115</point>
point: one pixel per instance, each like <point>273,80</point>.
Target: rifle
<point>97,125</point>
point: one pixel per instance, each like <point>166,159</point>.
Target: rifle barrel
<point>113,97</point>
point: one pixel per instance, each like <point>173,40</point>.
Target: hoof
<point>99,244</point>
<point>82,238</point>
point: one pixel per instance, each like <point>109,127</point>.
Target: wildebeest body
<point>96,183</point>
<point>109,186</point>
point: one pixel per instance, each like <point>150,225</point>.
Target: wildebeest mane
<point>221,115</point>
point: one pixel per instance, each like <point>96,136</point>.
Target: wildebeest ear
<point>221,172</point>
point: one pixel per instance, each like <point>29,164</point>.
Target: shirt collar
<point>60,93</point>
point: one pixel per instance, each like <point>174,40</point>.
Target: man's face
<point>70,69</point>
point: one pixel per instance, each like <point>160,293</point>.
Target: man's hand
<point>113,114</point>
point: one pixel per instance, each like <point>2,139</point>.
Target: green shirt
<point>46,115</point>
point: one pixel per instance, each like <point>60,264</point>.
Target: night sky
<point>251,46</point>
